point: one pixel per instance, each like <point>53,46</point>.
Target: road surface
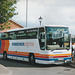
<point>24,68</point>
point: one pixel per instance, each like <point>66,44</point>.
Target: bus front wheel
<point>31,58</point>
<point>4,55</point>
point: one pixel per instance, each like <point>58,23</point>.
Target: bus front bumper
<point>54,60</point>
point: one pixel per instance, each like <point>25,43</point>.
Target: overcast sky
<point>59,12</point>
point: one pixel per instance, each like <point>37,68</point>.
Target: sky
<point>53,12</point>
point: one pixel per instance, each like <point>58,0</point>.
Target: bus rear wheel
<point>4,55</point>
<point>31,58</point>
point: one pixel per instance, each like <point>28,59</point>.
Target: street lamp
<point>40,20</point>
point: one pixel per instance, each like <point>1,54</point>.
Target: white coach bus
<point>47,44</point>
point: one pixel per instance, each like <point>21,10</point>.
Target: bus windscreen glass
<point>57,38</point>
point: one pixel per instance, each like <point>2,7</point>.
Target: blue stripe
<point>45,59</point>
<point>0,44</point>
<point>17,55</point>
<point>1,53</point>
<point>54,59</point>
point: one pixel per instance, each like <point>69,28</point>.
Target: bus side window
<point>21,35</point>
<point>32,34</point>
<point>4,36</point>
<point>0,36</point>
<point>12,35</point>
<point>42,38</point>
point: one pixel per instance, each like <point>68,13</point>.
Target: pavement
<point>73,63</point>
<point>4,70</point>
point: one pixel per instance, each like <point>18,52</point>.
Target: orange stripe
<point>51,54</point>
<point>6,45</point>
<point>3,45</point>
<point>18,53</point>
<point>37,54</point>
<point>59,54</point>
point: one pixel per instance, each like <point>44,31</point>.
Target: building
<point>13,25</point>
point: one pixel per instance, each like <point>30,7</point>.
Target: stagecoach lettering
<point>29,44</point>
<point>23,44</point>
<point>17,44</point>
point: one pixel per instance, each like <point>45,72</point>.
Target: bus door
<point>42,38</point>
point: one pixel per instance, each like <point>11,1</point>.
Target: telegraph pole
<point>26,12</point>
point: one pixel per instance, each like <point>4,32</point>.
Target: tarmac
<point>4,70</point>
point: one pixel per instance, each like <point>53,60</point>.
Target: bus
<point>49,44</point>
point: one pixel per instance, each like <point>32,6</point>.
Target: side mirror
<point>70,37</point>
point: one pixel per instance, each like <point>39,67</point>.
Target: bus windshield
<point>57,38</point>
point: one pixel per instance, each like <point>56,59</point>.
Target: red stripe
<point>51,57</point>
<point>59,56</point>
<point>41,56</point>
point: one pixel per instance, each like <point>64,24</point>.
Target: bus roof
<point>37,27</point>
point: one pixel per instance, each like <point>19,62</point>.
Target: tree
<point>7,11</point>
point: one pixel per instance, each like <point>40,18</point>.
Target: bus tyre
<point>31,59</point>
<point>4,55</point>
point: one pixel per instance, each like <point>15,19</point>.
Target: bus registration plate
<point>60,59</point>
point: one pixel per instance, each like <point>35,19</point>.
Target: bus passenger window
<point>32,34</point>
<point>21,34</point>
<point>12,35</point>
<point>4,36</point>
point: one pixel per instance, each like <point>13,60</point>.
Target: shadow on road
<point>17,63</point>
